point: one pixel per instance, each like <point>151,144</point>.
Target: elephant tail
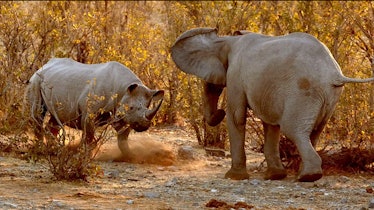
<point>343,80</point>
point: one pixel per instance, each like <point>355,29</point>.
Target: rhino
<point>84,96</point>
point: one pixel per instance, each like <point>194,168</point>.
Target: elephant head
<point>202,53</point>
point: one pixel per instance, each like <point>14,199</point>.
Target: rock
<point>151,194</point>
<point>344,179</point>
<point>290,201</point>
<point>171,182</point>
<point>186,153</point>
<point>344,200</point>
<point>371,204</point>
<point>369,189</point>
<point>255,182</point>
<point>213,190</point>
<point>130,202</point>
<point>239,191</point>
<point>8,205</point>
<point>215,152</point>
<point>112,174</point>
<point>58,203</point>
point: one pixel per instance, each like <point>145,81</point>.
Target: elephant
<point>291,82</point>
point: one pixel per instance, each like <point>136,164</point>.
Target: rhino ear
<point>199,52</point>
<point>158,95</point>
<point>241,32</point>
<point>132,87</point>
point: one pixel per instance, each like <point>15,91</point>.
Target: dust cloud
<point>143,149</point>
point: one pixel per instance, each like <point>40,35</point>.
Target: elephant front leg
<point>275,169</point>
<point>236,126</point>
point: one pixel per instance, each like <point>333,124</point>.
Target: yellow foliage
<point>139,35</point>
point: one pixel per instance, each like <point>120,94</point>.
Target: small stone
<point>244,181</point>
<point>215,152</point>
<point>213,190</point>
<point>195,204</point>
<point>255,182</point>
<point>344,200</point>
<point>186,153</point>
<point>112,174</point>
<point>239,191</point>
<point>240,199</point>
<point>371,204</point>
<point>172,168</point>
<point>58,203</point>
<point>130,202</point>
<point>152,194</point>
<point>344,179</point>
<point>369,190</point>
<point>9,205</point>
<point>171,182</point>
<point>290,201</point>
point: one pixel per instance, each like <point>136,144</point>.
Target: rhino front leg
<point>123,141</point>
<point>88,132</point>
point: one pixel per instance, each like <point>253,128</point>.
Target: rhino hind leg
<point>53,127</point>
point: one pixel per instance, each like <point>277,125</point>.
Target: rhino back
<point>68,84</point>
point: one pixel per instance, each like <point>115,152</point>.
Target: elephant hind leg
<point>275,169</point>
<point>299,126</point>
<point>316,132</point>
<point>311,169</point>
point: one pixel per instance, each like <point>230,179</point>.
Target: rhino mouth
<point>140,128</point>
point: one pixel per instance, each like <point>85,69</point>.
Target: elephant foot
<point>237,174</point>
<point>217,117</point>
<point>275,174</point>
<point>309,177</point>
<point>309,174</point>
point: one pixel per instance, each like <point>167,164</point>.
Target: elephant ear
<point>197,52</point>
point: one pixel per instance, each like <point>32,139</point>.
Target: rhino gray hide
<point>84,96</point>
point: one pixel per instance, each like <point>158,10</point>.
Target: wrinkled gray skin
<point>292,83</point>
<point>83,96</point>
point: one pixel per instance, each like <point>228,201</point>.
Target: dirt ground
<point>164,178</point>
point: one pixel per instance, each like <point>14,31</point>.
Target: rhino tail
<point>34,99</point>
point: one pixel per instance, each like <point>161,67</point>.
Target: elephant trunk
<point>211,95</point>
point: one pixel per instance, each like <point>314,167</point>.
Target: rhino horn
<point>151,113</point>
